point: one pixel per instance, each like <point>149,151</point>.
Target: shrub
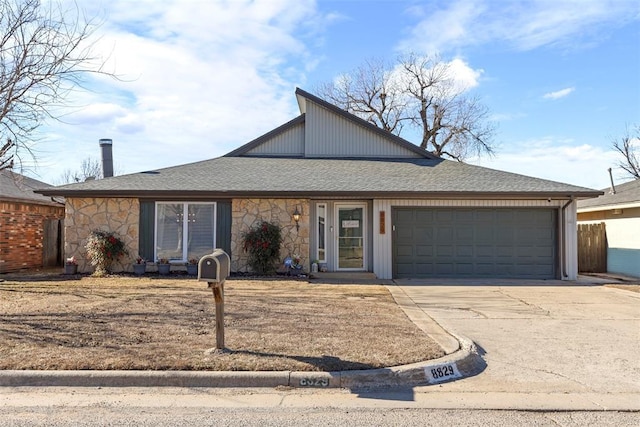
<point>263,245</point>
<point>104,247</point>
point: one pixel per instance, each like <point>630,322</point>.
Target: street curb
<point>467,362</point>
<point>461,360</point>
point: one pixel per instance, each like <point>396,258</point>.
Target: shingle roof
<point>308,177</point>
<point>626,193</point>
<point>16,187</point>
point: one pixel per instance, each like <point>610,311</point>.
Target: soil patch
<point>125,322</point>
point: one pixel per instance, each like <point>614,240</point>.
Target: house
<point>369,201</point>
<point>30,224</point>
<point>619,210</point>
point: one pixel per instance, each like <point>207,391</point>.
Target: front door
<point>351,234</point>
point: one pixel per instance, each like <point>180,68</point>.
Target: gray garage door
<point>509,243</point>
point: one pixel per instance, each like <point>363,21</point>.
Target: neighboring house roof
<point>325,152</point>
<point>626,195</point>
<point>19,188</point>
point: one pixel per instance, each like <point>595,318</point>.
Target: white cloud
<point>555,159</point>
<point>521,25</point>
<point>465,76</point>
<point>558,93</point>
<point>198,79</point>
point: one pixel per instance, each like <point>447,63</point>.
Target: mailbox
<point>214,268</point>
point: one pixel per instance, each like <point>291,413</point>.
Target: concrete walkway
<point>571,340</point>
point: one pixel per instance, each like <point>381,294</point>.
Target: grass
<point>151,323</point>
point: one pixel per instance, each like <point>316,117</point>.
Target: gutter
<point>563,232</point>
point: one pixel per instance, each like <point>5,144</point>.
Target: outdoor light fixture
<point>296,218</point>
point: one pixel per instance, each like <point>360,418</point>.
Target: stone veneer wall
<point>246,213</point>
<point>83,215</point>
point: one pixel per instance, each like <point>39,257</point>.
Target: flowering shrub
<point>263,245</point>
<point>103,247</point>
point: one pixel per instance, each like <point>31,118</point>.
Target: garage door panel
<point>464,215</point>
<point>464,233</point>
<point>485,251</point>
<point>422,216</point>
<point>482,242</point>
<point>405,251</point>
<point>424,269</point>
<point>424,251</point>
<point>444,269</point>
<point>406,217</point>
<point>462,269</point>
<point>464,251</point>
<point>444,235</point>
<point>444,251</point>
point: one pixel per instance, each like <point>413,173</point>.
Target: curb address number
<point>314,382</point>
<point>440,373</point>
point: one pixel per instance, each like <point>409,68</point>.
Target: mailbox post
<point>214,269</point>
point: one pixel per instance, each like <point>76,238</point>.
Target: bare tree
<point>420,91</point>
<point>627,146</point>
<point>89,169</point>
<point>44,52</point>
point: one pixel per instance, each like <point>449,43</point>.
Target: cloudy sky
<point>200,78</point>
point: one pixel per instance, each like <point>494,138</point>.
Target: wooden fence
<point>52,243</point>
<point>592,248</point>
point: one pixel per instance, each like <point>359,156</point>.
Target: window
<point>321,213</point>
<point>184,230</point>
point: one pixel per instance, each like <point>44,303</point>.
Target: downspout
<point>563,232</point>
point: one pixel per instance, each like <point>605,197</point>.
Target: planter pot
<point>70,269</point>
<point>164,269</point>
<point>192,269</point>
<point>139,269</point>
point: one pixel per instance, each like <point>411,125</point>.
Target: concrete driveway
<point>542,337</point>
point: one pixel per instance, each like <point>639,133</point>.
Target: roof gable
<point>326,131</point>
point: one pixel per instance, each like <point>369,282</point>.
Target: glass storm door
<point>351,233</point>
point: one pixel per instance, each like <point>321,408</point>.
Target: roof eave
<point>608,207</point>
<point>32,201</point>
<point>194,194</point>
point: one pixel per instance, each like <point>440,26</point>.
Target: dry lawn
<point>125,322</point>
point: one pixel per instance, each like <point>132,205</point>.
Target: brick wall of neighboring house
<point>22,233</point>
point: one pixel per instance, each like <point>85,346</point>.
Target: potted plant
<point>296,265</point>
<point>140,266</point>
<point>71,266</point>
<point>163,266</point>
<point>192,267</point>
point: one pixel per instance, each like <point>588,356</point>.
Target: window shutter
<point>146,232</point>
<point>223,224</point>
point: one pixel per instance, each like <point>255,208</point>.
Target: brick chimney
<point>107,157</point>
